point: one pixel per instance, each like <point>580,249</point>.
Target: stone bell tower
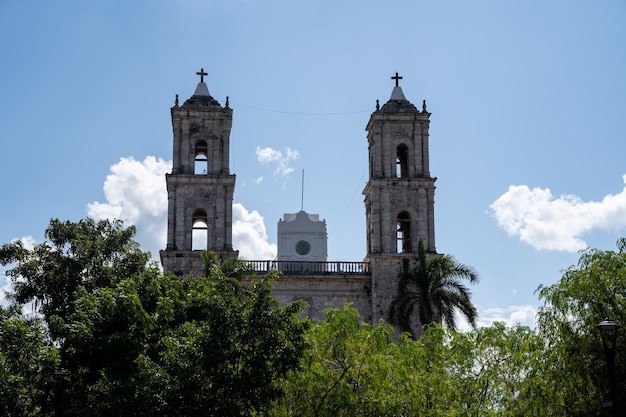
<point>200,187</point>
<point>399,195</point>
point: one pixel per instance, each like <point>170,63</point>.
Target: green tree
<point>433,291</point>
<point>134,341</point>
<point>232,268</point>
<point>85,254</point>
<point>27,365</point>
<point>588,292</point>
<point>156,345</point>
<point>353,369</point>
<point>499,371</point>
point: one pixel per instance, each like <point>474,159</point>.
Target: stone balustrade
<point>310,267</point>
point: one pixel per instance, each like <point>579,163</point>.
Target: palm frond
<point>434,290</point>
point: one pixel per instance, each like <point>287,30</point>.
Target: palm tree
<point>434,290</point>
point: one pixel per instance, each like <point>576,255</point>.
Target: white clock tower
<point>302,237</point>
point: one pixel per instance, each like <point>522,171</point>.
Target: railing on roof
<point>310,267</point>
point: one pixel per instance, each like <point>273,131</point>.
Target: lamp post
<point>59,376</point>
<point>608,330</point>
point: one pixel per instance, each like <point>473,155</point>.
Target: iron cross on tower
<point>397,78</point>
<point>202,74</point>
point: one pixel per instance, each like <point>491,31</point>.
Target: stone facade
<point>399,206</point>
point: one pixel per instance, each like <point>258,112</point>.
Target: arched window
<point>402,161</point>
<point>199,230</point>
<point>403,233</point>
<point>201,162</point>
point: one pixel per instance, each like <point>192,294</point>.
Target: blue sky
<point>527,99</point>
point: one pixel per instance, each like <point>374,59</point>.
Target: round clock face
<point>303,247</point>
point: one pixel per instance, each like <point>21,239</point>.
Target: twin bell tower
<point>398,196</point>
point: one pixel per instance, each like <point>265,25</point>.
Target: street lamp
<point>608,330</point>
<point>59,376</point>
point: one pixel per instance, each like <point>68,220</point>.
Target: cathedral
<point>398,197</point>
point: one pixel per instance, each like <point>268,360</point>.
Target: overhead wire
<point>318,114</point>
<point>345,210</point>
<point>301,113</point>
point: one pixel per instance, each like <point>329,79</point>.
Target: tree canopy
<point>27,365</point>
<point>135,342</point>
<point>85,254</point>
<point>587,293</point>
<point>351,368</point>
<point>161,346</point>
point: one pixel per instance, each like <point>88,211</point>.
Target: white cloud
<point>250,235</point>
<point>524,315</point>
<point>269,156</point>
<point>136,193</point>
<point>545,222</point>
<point>28,242</point>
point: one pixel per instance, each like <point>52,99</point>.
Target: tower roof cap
<point>201,97</point>
<point>397,94</point>
<point>202,90</point>
<point>397,102</point>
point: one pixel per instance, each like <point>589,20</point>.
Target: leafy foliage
<point>136,342</point>
<point>557,370</point>
<point>232,268</point>
<point>350,369</point>
<point>499,371</point>
<point>27,365</point>
<point>157,345</point>
<point>354,369</point>
<point>86,254</point>
<point>140,343</point>
<point>586,294</point>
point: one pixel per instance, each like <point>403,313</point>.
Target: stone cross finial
<point>397,78</point>
<point>202,74</point>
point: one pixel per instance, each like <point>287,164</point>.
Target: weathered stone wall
<point>211,193</point>
<point>385,270</point>
<point>371,294</point>
<point>212,125</point>
<point>326,291</point>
